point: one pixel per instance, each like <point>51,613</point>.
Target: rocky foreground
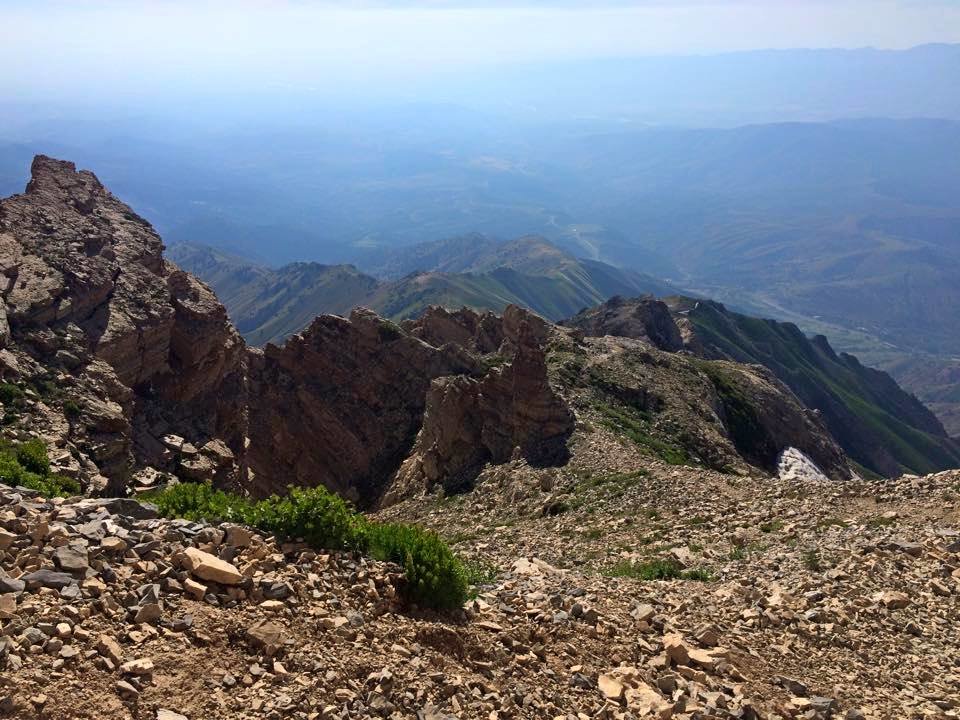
<point>805,601</point>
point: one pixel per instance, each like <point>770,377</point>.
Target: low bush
<point>26,464</point>
<point>10,393</point>
<point>33,456</point>
<point>435,577</point>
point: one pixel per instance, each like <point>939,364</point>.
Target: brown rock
<point>209,567</point>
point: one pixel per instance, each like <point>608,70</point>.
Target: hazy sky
<point>77,47</point>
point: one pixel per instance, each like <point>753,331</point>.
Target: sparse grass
<point>635,426</point>
<point>71,408</point>
<point>811,560</point>
<point>480,572</point>
<point>10,394</point>
<point>593,533</point>
<point>880,522</point>
<point>772,526</point>
<point>657,569</point>
<point>830,522</point>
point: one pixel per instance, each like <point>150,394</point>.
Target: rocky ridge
<point>134,375</point>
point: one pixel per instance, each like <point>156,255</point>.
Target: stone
<point>71,559</point>
<point>266,637</point>
<point>211,568</point>
<point>194,589</point>
<point>48,579</point>
<point>643,613</point>
<point>163,714</point>
<point>140,666</point>
<point>893,599</point>
<point>126,691</point>
<point>113,544</point>
<point>676,649</point>
<point>8,606</point>
<point>148,613</point>
<point>11,585</point>
<point>110,648</point>
<point>6,540</point>
<point>611,688</point>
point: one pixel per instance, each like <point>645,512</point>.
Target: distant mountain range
<point>268,305</point>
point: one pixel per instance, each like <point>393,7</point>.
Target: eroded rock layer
<point>127,345</point>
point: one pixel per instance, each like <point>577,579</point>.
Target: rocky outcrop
<point>341,403</point>
<point>512,412</point>
<point>764,419</point>
<point>125,344</point>
<point>642,318</point>
<point>878,424</point>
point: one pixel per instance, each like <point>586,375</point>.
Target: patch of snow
<point>793,464</point>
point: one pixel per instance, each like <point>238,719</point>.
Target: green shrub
<point>199,501</point>
<point>9,393</point>
<point>435,577</point>
<point>33,456</point>
<point>316,515</point>
<point>27,465</point>
<point>71,408</point>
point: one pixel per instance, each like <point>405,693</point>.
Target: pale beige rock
<point>211,568</point>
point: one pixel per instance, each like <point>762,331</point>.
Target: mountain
<point>268,305</point>
<point>137,368</point>
<point>554,471</point>
<point>879,425</point>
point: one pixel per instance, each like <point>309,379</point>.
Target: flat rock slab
<point>48,579</point>
<point>209,567</point>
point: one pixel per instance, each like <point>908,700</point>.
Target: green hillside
<point>268,305</point>
<point>880,426</point>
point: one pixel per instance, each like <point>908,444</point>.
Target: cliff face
<point>879,425</point>
<point>642,318</point>
<point>341,403</point>
<point>133,346</point>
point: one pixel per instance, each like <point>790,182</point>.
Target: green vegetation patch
<point>658,569</point>
<point>633,425</point>
<point>27,465</point>
<point>746,430</point>
<point>435,576</point>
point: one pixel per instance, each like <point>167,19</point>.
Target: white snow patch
<point>793,464</point>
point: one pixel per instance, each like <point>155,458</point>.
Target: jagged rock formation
<point>511,412</point>
<point>643,318</point>
<point>341,403</point>
<point>133,345</point>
